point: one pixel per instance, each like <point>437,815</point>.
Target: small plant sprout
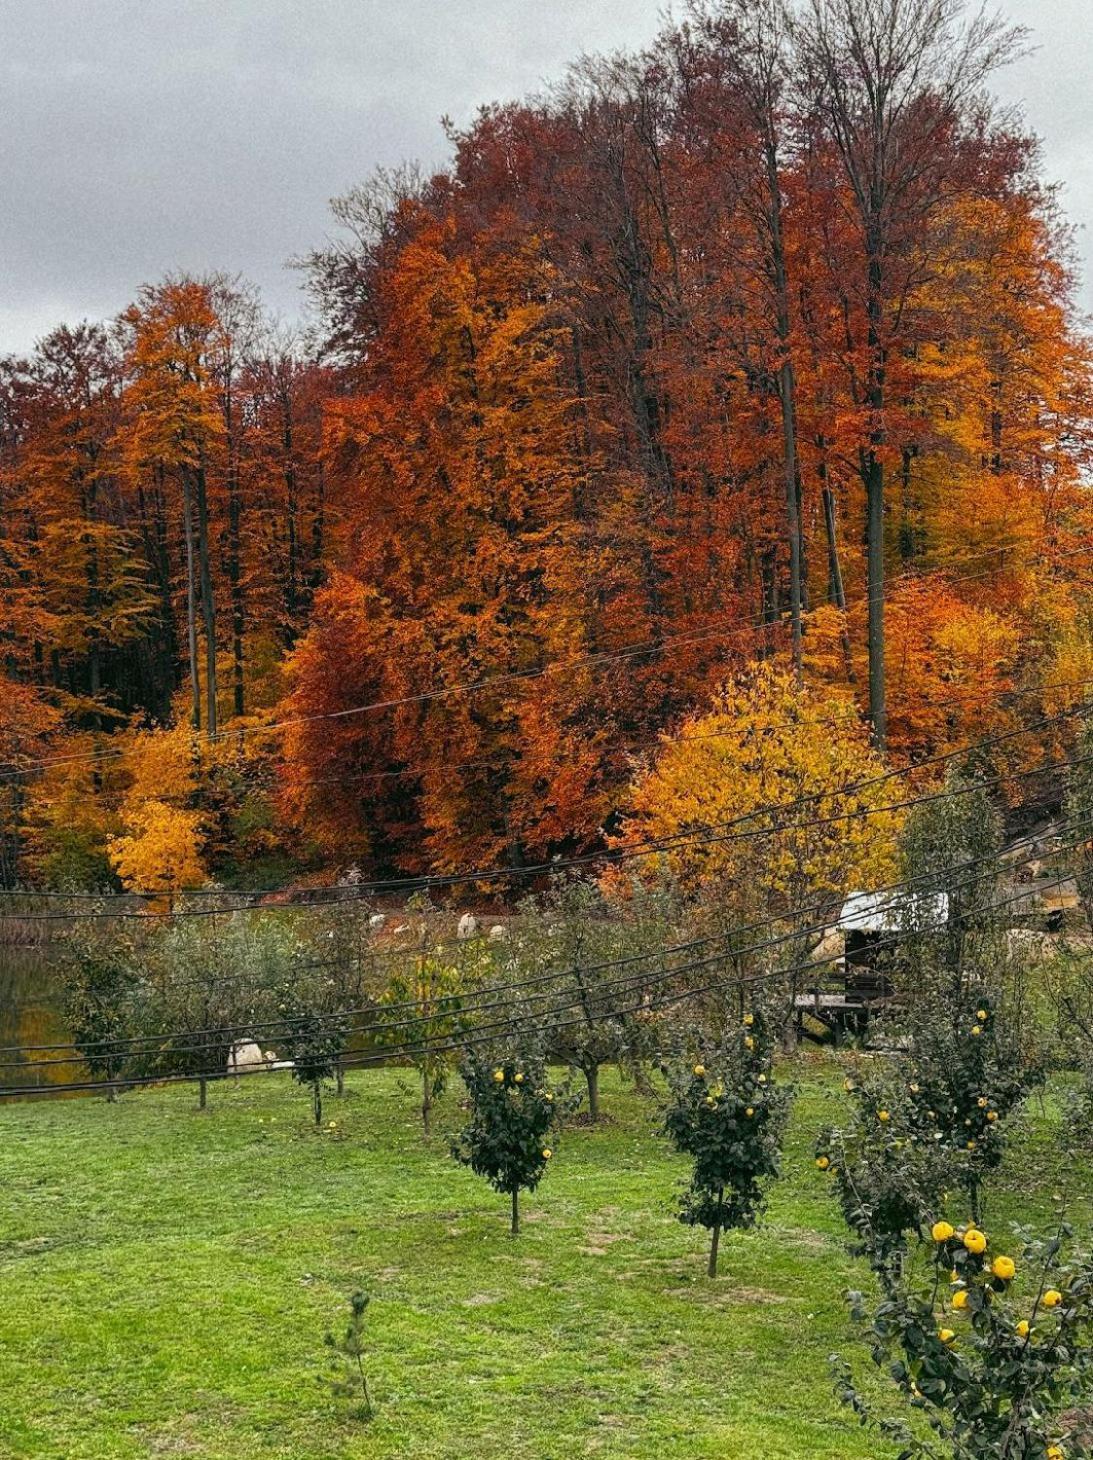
<point>348,1380</point>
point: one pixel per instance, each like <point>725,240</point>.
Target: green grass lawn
<point>166,1279</point>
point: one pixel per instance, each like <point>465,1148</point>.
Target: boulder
<point>831,947</point>
<point>467,927</point>
<point>246,1055</point>
<point>498,933</point>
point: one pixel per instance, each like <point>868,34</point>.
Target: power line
<point>429,882</point>
<point>756,622</point>
<point>451,1044</point>
<point>912,887</point>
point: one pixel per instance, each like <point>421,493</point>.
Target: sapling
<point>348,1380</point>
<point>965,1075</point>
<point>888,1176</point>
<point>728,1114</point>
<point>429,997</point>
<point>314,1038</point>
<point>511,1134</point>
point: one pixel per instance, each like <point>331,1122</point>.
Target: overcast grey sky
<point>140,136</point>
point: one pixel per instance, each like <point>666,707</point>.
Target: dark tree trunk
<point>208,607</point>
<point>191,602</point>
<point>592,1079</point>
<point>715,1236</point>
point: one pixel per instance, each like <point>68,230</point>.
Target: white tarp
<point>894,912</point>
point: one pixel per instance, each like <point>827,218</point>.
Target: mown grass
<point>166,1278</point>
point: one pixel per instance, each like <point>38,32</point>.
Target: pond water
<point>30,1014</point>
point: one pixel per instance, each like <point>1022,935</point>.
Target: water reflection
<point>30,1014</point>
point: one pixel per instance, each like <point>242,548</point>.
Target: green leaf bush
<point>728,1114</point>
<point>511,1135</point>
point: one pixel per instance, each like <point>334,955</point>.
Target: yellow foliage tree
<point>159,847</point>
<point>160,851</point>
<point>761,799</point>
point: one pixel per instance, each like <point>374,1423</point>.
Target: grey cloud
<point>144,135</point>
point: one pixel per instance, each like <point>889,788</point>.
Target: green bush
<point>966,1073</point>
<point>727,1113</point>
<point>512,1131</point>
<point>992,1351</point>
<point>428,996</point>
<point>101,1007</point>
<point>888,1176</point>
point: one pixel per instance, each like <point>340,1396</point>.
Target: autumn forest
<point>755,353</point>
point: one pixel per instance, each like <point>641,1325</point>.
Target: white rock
<point>468,926</point>
<point>497,933</point>
<point>377,920</point>
<point>246,1055</point>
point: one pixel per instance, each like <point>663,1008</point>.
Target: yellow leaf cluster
<point>763,794</point>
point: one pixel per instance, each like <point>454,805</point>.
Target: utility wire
<point>160,1043</point>
<point>612,855</point>
<point>755,623</point>
<point>479,1036</point>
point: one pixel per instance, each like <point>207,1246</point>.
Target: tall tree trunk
<point>191,601</point>
<point>515,1228</point>
<point>836,590</point>
<point>787,388</point>
<point>874,559</point>
<point>208,606</point>
<point>793,519</point>
<point>235,582</point>
<point>872,470</point>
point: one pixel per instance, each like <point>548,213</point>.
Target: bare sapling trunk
<point>715,1236</point>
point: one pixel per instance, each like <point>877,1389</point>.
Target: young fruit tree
<point>965,1074</point>
<point>420,1015</point>
<point>511,1134</point>
<point>580,936</point>
<point>314,1037</point>
<point>208,982</point>
<point>993,1351</point>
<point>101,999</point>
<point>888,1177</point>
<point>727,1113</point>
